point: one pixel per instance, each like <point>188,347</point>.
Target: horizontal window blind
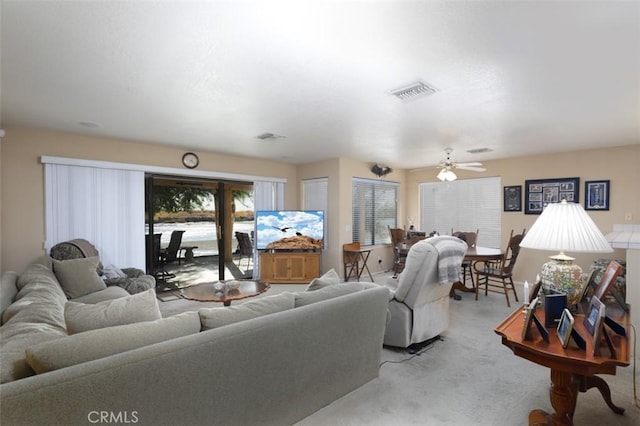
<point>463,205</point>
<point>374,205</point>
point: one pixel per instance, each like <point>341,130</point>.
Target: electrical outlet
<point>627,217</point>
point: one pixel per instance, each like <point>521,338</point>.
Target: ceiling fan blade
<point>472,168</point>
<point>470,163</point>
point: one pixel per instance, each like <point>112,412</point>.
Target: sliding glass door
<point>191,225</point>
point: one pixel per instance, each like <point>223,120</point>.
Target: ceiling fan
<point>446,167</point>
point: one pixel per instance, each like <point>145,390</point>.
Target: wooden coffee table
<point>218,292</point>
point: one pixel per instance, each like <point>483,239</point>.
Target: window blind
<point>463,205</point>
<point>103,206</point>
<point>374,207</point>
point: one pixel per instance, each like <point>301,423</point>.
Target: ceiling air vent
<point>479,150</point>
<point>414,91</point>
<point>266,136</point>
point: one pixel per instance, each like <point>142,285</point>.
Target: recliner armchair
<point>419,300</point>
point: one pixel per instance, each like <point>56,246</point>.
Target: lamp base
<point>561,274</point>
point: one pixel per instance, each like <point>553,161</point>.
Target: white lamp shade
<point>566,227</point>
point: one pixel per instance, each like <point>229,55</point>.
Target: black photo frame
<point>541,192</point>
<point>596,194</point>
<point>512,200</point>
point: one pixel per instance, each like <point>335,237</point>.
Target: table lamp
<point>565,227</point>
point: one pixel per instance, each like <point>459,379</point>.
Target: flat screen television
<point>289,229</point>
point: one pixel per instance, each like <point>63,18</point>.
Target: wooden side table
<point>572,370</point>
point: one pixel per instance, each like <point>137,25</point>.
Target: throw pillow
<point>95,344</point>
<point>218,317</point>
<point>78,277</point>
<point>139,307</point>
<point>112,271</point>
<point>331,277</point>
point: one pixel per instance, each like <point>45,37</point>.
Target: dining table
<point>475,254</point>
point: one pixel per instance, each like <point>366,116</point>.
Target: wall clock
<point>190,160</point>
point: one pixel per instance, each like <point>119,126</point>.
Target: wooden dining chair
<point>497,277</point>
<point>398,238</point>
<point>471,239</point>
<point>350,260</point>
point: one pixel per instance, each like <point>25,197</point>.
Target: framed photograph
<point>528,318</point>
<point>593,317</point>
<point>565,327</point>
<point>596,195</point>
<point>589,289</point>
<point>539,193</point>
<point>512,198</point>
<point>608,279</point>
<point>533,294</point>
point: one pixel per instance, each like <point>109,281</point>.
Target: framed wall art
<point>512,198</point>
<point>541,192</point>
<point>596,195</point>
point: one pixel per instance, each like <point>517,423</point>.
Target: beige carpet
<point>468,378</point>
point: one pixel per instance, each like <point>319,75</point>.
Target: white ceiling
<point>519,78</point>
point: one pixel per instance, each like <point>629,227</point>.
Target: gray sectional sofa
<point>270,360</point>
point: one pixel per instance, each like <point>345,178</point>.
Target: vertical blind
<point>315,197</point>
<point>374,205</point>
<point>103,206</point>
<point>463,205</point>
<point>267,195</point>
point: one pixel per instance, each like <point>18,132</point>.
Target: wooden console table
<point>572,370</point>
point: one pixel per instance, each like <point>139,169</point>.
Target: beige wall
<point>22,188</point>
<point>619,165</point>
<point>22,184</point>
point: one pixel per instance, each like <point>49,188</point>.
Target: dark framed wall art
<point>596,195</point>
<point>512,201</point>
<point>540,192</point>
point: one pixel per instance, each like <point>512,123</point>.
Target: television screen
<point>289,229</point>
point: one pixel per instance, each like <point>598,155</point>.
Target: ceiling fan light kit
<point>446,172</point>
<point>447,175</point>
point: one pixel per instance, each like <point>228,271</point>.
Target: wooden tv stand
<point>289,266</point>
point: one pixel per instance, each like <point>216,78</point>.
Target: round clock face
<point>190,160</point>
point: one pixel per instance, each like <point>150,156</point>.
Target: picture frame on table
<point>596,194</point>
<point>535,290</point>
<point>589,290</point>
<point>530,317</point>
<point>593,318</point>
<point>512,199</point>
<point>565,327</point>
<point>538,193</point>
<point>614,269</point>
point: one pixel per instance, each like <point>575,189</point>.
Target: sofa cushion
<point>139,307</point>
<point>78,277</point>
<point>16,338</point>
<point>8,289</point>
<point>218,317</point>
<point>308,297</point>
<point>35,316</point>
<point>109,293</point>
<point>103,342</point>
<point>330,277</point>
